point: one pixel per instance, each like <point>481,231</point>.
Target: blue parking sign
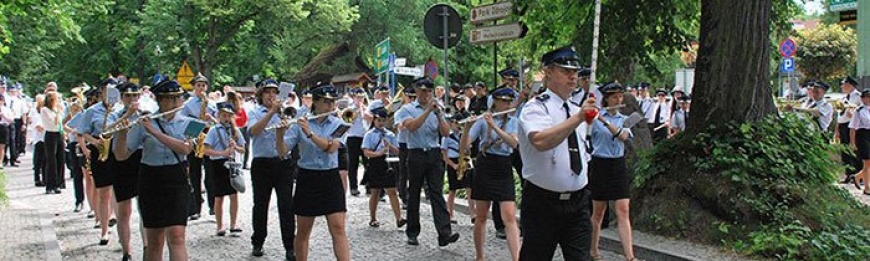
<point>787,65</point>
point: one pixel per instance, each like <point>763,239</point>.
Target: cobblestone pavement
<point>37,226</point>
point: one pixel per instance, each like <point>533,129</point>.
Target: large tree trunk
<point>733,65</point>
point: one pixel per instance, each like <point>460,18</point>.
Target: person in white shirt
<point>859,132</point>
<point>5,120</point>
<point>821,111</point>
<point>658,116</point>
<point>38,134</point>
<point>51,114</point>
<point>841,131</point>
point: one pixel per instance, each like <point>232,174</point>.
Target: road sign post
<point>382,56</point>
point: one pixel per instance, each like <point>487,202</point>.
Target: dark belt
<point>568,195</point>
<point>425,150</point>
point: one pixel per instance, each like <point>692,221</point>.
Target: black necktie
<point>573,146</point>
<point>658,113</point>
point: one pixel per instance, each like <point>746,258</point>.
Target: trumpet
<point>348,114</point>
<point>120,127</point>
<point>470,119</point>
<point>289,122</point>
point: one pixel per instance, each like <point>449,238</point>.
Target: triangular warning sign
<point>184,76</point>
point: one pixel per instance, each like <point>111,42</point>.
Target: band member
<point>164,186</point>
<point>841,130</point>
<point>355,138</point>
<point>587,88</point>
<point>402,137</point>
<point>319,191</point>
<point>199,107</point>
<point>680,117</point>
<point>425,122</point>
<point>126,179</point>
<point>860,136</point>
<point>493,178</point>
<point>222,143</point>
<point>268,171</point>
<point>657,116</point>
<point>821,111</point>
<point>91,98</point>
<point>6,120</point>
<point>34,117</point>
<point>92,125</point>
<point>450,156</point>
<point>608,179</point>
<point>377,144</point>
<point>478,104</point>
<point>555,209</point>
<point>72,152</point>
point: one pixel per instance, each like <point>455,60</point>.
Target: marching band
<point>565,142</point>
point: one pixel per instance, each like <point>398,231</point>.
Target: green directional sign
<point>382,56</point>
<point>843,5</point>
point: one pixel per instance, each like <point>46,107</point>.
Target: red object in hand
<point>591,114</point>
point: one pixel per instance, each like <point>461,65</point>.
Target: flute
<point>151,116</point>
<point>470,119</point>
<point>287,123</point>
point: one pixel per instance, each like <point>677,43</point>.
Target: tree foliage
<point>827,51</point>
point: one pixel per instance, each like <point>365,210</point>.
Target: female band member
<point>164,187</point>
<point>126,177</point>
<point>90,128</point>
<point>450,156</point>
<point>222,143</point>
<point>493,176</point>
<point>319,190</point>
<point>608,179</point>
<point>376,144</point>
<point>859,131</point>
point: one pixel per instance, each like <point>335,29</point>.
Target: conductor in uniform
<point>556,202</point>
<point>425,124</point>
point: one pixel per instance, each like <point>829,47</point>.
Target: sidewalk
<point>37,226</point>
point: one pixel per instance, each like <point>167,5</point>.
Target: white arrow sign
<point>498,33</point>
<point>401,61</point>
<point>491,12</point>
<point>409,71</point>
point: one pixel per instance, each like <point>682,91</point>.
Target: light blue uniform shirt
<point>479,129</point>
<point>604,144</point>
<point>312,157</point>
<point>425,137</point>
<point>402,136</point>
<point>263,145</point>
<point>74,123</point>
<point>359,127</point>
<point>155,153</point>
<point>678,121</point>
<point>451,145</point>
<point>219,137</point>
<point>192,106</point>
<point>115,115</point>
<point>372,140</point>
<point>92,121</point>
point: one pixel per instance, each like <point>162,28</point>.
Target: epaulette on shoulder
<point>542,97</point>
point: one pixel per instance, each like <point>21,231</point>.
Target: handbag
<point>184,164</point>
<point>237,181</point>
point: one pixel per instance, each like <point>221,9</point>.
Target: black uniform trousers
<point>247,137</point>
<point>268,174</point>
<point>354,152</point>
<point>53,160</point>
<point>196,167</point>
<point>848,159</point>
<point>39,162</point>
<point>75,168</point>
<point>549,219</point>
<point>20,137</point>
<point>426,166</point>
<point>402,179</point>
<point>12,144</point>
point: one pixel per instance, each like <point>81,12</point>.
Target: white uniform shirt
<point>853,98</point>
<point>550,169</point>
<point>36,120</point>
<point>17,106</point>
<point>861,118</point>
<point>825,109</point>
<point>578,96</point>
<point>663,116</point>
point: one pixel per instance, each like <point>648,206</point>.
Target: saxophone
<point>232,164</point>
<point>465,163</point>
<point>199,151</point>
<point>105,144</point>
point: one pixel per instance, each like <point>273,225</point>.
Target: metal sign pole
<point>445,13</point>
<point>595,41</point>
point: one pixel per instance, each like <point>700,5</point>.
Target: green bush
<point>763,188</point>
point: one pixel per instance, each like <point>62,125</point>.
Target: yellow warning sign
<point>184,76</point>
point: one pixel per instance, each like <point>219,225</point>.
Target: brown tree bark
<point>733,65</point>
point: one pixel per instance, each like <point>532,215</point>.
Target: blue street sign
<point>392,61</point>
<point>787,65</point>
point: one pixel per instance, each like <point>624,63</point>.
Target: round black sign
<point>433,25</point>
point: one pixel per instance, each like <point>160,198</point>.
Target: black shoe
<point>12,165</point>
<point>194,217</point>
<point>500,234</point>
<point>104,241</point>
<point>447,240</point>
<point>48,192</point>
<point>91,214</point>
<point>78,208</point>
<point>57,191</point>
<point>258,251</point>
<point>402,223</point>
<point>40,184</point>
<point>112,222</point>
<point>290,256</point>
<point>404,206</point>
<point>413,241</point>
<point>211,212</point>
<point>222,233</point>
<point>354,192</point>
<point>849,179</point>
<point>126,257</point>
<point>62,186</point>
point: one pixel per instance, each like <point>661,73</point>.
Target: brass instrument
<point>349,114</point>
<point>105,143</point>
<point>289,122</point>
<point>120,126</point>
<point>465,163</point>
<point>232,165</point>
<point>470,119</point>
<point>398,97</point>
<point>783,103</point>
<point>199,150</point>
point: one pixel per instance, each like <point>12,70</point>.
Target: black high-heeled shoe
<point>126,257</point>
<point>104,241</point>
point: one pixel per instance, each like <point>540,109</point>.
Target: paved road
<point>36,226</point>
